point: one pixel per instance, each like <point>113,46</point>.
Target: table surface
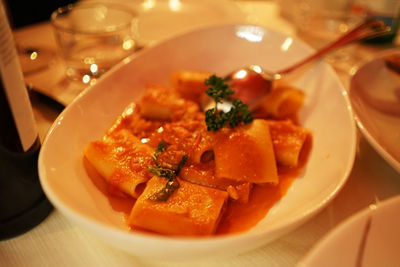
<point>59,242</point>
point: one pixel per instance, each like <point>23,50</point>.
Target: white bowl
<point>220,49</point>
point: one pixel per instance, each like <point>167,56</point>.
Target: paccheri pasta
<point>190,181</point>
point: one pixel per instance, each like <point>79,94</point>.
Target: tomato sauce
<point>182,137</point>
<point>241,217</point>
<point>238,217</point>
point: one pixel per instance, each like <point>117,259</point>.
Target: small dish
<point>326,113</point>
<point>375,97</point>
<point>371,237</point>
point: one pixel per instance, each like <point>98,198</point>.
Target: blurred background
<point>23,13</point>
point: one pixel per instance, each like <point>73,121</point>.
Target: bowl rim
<point>365,130</point>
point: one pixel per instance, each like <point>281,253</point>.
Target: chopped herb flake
<point>172,183</point>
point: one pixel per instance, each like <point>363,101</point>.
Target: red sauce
<point>181,137</point>
<point>244,161</point>
<point>117,200</point>
<point>240,217</point>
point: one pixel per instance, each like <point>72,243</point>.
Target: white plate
<point>375,97</point>
<point>369,238</point>
<point>219,49</point>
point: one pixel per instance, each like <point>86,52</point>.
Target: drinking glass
<point>93,37</point>
<point>319,22</point>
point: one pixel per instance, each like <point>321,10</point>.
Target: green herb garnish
<point>216,119</point>
<point>172,183</point>
<point>181,163</point>
<point>166,192</point>
<point>161,171</point>
<point>219,90</point>
<point>161,147</point>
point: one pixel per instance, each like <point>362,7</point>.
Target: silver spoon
<point>252,84</point>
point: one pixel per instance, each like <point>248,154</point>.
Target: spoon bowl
<point>252,83</point>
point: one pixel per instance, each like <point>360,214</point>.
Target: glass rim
<point>64,10</point>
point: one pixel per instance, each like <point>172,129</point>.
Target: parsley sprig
<point>172,183</point>
<point>216,119</point>
<point>219,90</point>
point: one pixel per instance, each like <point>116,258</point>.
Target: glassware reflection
<point>33,59</point>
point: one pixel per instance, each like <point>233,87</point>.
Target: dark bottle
<point>22,202</point>
<point>387,11</point>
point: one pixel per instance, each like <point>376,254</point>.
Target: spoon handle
<point>369,28</point>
